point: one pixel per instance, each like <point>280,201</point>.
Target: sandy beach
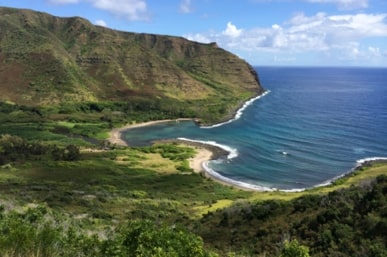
<point>196,162</point>
<point>115,135</point>
<point>204,153</point>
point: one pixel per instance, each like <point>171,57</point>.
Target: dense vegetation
<point>350,222</point>
<point>38,231</point>
<point>95,195</point>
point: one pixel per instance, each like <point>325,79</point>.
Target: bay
<point>311,128</point>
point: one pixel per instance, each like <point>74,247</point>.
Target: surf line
<point>244,185</point>
<point>232,152</point>
<point>239,112</point>
<point>359,163</point>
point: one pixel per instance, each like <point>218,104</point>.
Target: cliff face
<point>49,60</point>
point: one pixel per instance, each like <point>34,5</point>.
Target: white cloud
<point>232,31</point>
<point>186,6</point>
<point>344,37</point>
<point>198,38</point>
<point>355,53</point>
<point>131,9</point>
<point>344,4</point>
<point>101,23</point>
<point>361,25</point>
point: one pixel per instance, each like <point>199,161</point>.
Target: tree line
<point>17,149</point>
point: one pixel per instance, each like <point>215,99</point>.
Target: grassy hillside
<point>343,222</point>
<point>51,189</point>
<point>51,61</point>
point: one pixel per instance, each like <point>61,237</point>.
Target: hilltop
<point>50,61</point>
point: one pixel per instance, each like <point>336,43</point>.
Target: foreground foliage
<point>354,229</point>
<point>39,232</point>
<point>349,222</point>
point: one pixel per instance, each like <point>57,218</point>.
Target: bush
<point>40,232</point>
<point>144,238</point>
<point>294,249</point>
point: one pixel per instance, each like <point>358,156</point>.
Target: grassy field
<point>116,182</point>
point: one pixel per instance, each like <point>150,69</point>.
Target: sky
<point>263,32</point>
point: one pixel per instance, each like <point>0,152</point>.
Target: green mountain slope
<point>47,60</point>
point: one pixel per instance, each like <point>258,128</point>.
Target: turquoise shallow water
<point>312,127</point>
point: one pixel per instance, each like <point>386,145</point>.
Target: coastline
<point>205,152</point>
<point>238,113</point>
<point>360,164</point>
<point>208,151</point>
<point>115,135</point>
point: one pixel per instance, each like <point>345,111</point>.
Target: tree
<point>294,249</point>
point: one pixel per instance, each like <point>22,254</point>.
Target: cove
<point>313,127</point>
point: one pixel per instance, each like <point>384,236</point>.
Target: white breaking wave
<point>239,112</point>
<point>249,186</point>
<point>232,152</point>
<point>242,184</point>
<point>237,183</point>
<point>362,161</point>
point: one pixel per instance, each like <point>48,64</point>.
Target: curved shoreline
<point>115,135</point>
<point>239,112</point>
<point>211,150</point>
<point>251,187</point>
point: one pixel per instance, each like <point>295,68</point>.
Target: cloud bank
<point>322,33</point>
<point>344,4</point>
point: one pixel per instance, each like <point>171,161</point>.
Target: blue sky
<point>263,32</point>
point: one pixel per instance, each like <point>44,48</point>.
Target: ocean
<point>311,127</point>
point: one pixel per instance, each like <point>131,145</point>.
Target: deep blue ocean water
<point>311,128</point>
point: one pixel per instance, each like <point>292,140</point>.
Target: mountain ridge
<point>48,60</point>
